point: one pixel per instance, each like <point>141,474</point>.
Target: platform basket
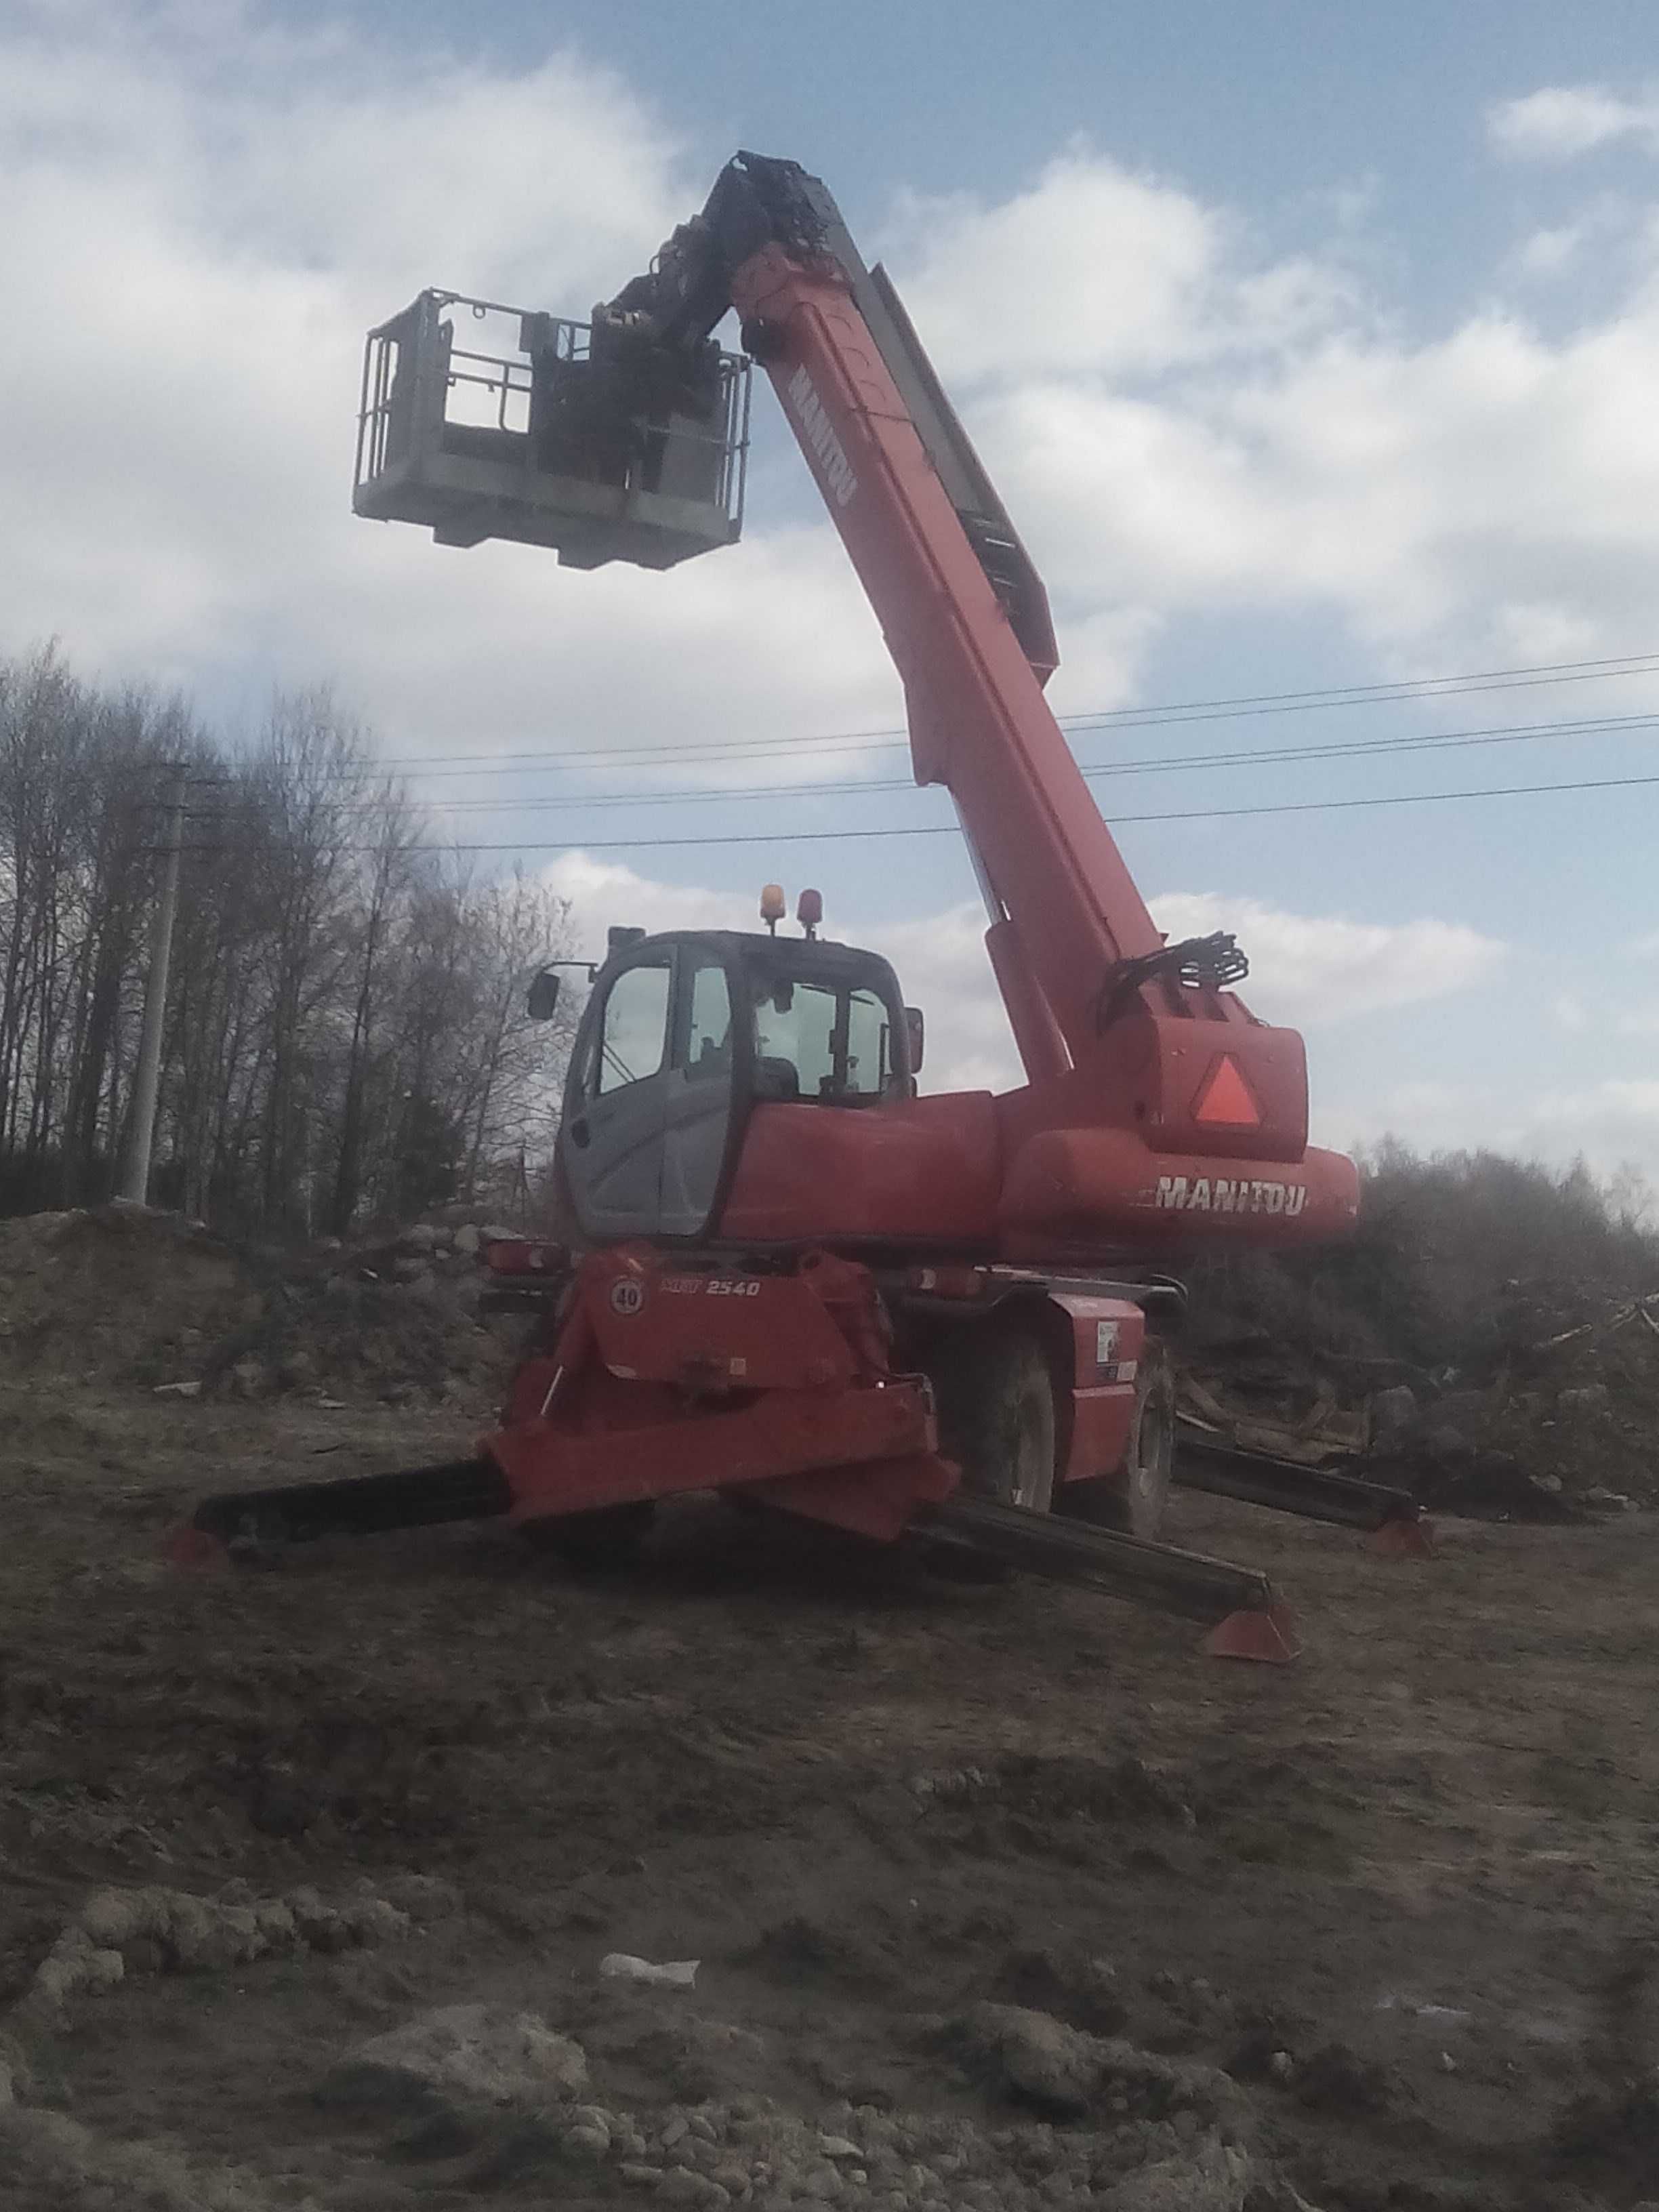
<point>521,433</point>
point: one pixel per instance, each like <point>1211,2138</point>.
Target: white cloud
<point>607,894</point>
<point>1096,271</point>
<point>1547,253</point>
<point>1560,121</point>
<point>942,965</point>
<point>1132,258</point>
<point>1612,1122</point>
<point>1311,969</point>
<point>1195,426</point>
<point>1639,1100</point>
<point>1488,490</point>
<point>497,648</point>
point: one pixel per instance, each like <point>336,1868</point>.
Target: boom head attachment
<point>481,420</point>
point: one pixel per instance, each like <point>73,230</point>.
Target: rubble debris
<point>747,2148</point>
<point>114,1288</point>
<point>1565,1425</point>
<point>43,2152</point>
<point>139,1296</point>
<point>1067,2074</point>
<point>157,1930</point>
<point>1213,2179</point>
<point>672,1974</point>
<point>478,2052</point>
<point>1393,1409</point>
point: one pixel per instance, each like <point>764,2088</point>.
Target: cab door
<point>611,1142</point>
<point>707,1079</point>
<point>653,1106</point>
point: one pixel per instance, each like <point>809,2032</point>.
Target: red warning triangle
<point>1224,1099</point>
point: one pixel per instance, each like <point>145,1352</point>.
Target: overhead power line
<point>1357,749</point>
<point>950,829</point>
<point>1374,695</point>
<point>891,738</point>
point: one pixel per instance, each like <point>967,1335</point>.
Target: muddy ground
<point>1002,1895</point>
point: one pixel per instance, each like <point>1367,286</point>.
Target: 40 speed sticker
<point>627,1297</point>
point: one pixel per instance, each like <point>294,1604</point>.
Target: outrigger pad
<point>196,1550</point>
<point>1265,1633</point>
<point>1400,1539</point>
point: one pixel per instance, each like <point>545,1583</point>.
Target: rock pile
<point>749,2150</point>
<point>124,1295</point>
<point>1092,2122</point>
<point>119,1932</point>
<point>398,1320</point>
<point>1561,1421</point>
<point>115,1290</point>
<point>477,2051</point>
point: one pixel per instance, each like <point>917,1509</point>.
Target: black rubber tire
<point>995,1394</point>
<point>1134,1504</point>
<point>593,1542</point>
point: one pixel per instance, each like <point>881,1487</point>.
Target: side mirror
<point>543,996</point>
<point>916,1029</point>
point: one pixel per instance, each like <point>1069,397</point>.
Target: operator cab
<point>686,1033</point>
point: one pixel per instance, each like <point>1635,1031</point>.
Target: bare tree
<point>345,1028</point>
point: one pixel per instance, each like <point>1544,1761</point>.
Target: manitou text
<point>1223,1194</point>
<point>821,437</point>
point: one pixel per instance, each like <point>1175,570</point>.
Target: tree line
<point>1460,1262</point>
<point>344,1035</point>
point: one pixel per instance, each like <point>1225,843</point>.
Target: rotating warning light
<point>809,911</point>
<point>773,906</point>
<point>1224,1099</point>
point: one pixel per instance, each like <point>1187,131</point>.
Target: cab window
<point>633,1033</point>
<point>708,1039</point>
<point>813,1041</point>
<point>869,1044</point>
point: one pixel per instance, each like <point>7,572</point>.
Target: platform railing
<point>424,394</point>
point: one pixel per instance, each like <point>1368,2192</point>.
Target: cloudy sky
<point>1314,348</point>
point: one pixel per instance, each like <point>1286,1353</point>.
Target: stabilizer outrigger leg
<point>1249,1622</point>
<point>1396,1525</point>
<point>358,1505</point>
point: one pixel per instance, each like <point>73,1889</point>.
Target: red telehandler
<point>783,1273</point>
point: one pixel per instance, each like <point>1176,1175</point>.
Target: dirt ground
<point>985,1881</point>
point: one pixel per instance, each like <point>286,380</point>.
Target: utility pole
<point>135,1180</point>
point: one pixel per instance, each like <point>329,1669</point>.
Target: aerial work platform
<point>536,431</point>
